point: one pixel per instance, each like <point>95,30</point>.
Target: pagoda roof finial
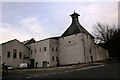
<point>74,10</point>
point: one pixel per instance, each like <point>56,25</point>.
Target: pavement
<point>41,72</point>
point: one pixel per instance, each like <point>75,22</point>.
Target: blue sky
<point>40,20</point>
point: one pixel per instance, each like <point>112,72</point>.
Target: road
<point>100,71</point>
<point>107,71</point>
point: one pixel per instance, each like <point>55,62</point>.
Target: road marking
<point>89,67</point>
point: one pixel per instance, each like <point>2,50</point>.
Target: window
<point>14,53</point>
<point>40,49</point>
<point>57,59</point>
<point>31,51</point>
<point>69,41</point>
<point>8,54</point>
<point>35,50</point>
<point>45,48</point>
<point>52,58</point>
<point>20,55</point>
<point>90,50</point>
<point>56,49</point>
<point>52,48</point>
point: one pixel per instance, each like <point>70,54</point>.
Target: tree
<point>103,32</point>
<point>108,37</point>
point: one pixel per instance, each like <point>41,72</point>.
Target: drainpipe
<point>84,47</point>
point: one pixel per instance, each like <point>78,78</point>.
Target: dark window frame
<point>14,53</point>
<point>90,51</point>
<point>20,54</point>
<point>40,49</point>
<point>45,48</point>
<point>53,49</point>
<point>35,51</point>
<point>56,48</point>
<point>8,54</point>
<point>31,51</point>
<point>69,41</point>
<point>53,59</point>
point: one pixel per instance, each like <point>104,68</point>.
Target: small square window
<point>45,49</point>
<point>69,41</point>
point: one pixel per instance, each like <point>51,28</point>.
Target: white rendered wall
<point>53,53</point>
<point>89,45</point>
<point>42,55</point>
<point>101,53</point>
<point>71,53</point>
<point>9,47</point>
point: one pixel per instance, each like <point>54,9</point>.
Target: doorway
<point>45,64</point>
<point>32,63</point>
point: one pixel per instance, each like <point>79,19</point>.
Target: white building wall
<point>89,48</point>
<point>53,52</point>
<point>78,50</point>
<point>40,55</point>
<point>101,53</point>
<point>9,47</point>
<point>71,49</point>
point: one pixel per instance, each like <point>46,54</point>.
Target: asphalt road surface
<point>103,71</point>
<point>107,71</point>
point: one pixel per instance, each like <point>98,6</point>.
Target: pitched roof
<point>12,41</point>
<point>75,27</point>
<point>29,41</point>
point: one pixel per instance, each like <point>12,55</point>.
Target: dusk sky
<point>40,20</point>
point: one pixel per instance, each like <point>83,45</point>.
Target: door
<point>57,61</point>
<point>44,64</point>
<point>32,63</point>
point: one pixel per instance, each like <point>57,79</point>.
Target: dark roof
<point>75,27</point>
<point>29,41</point>
<point>14,40</point>
<point>56,38</point>
<point>10,41</point>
